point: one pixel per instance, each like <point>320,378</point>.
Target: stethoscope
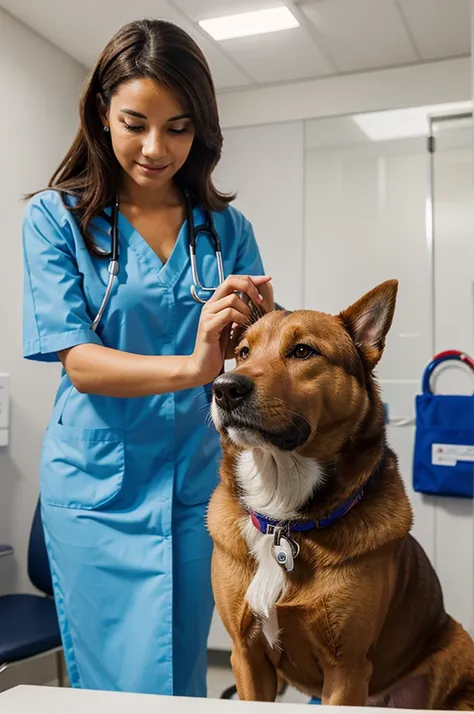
<point>194,232</point>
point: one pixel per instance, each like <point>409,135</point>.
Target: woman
<point>129,459</point>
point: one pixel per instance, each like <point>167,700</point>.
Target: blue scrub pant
<point>193,603</point>
<point>161,650</point>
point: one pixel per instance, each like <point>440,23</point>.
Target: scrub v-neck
<point>167,273</point>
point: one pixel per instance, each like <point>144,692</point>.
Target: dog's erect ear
<point>369,319</point>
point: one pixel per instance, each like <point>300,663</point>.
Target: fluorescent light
<point>249,23</point>
<point>404,123</point>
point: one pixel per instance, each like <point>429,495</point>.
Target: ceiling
<point>334,37</point>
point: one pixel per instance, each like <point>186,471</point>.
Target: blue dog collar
<point>268,526</point>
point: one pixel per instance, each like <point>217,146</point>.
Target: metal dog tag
<point>284,555</point>
<point>285,549</point>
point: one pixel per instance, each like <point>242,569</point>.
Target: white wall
<point>270,158</point>
<point>39,86</point>
<point>454,328</point>
<point>431,83</point>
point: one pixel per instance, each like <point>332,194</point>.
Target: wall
<point>431,83</point>
<point>39,86</point>
<point>453,218</point>
<point>270,157</point>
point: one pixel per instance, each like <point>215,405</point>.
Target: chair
<point>28,623</point>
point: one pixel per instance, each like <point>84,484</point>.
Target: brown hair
<point>164,52</point>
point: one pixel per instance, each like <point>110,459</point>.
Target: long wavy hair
<point>161,51</point>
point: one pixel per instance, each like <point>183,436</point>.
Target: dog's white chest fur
<point>275,484</point>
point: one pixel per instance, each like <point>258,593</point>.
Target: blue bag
<point>443,463</point>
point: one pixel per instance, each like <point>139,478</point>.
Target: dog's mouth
<point>238,411</point>
<point>245,427</point>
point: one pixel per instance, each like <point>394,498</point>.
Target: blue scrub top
<point>125,482</point>
<point>150,312</point>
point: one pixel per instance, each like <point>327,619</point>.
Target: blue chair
<point>28,623</point>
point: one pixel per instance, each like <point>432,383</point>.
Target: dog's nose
<point>230,390</point>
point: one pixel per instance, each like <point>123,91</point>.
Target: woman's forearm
<point>94,369</point>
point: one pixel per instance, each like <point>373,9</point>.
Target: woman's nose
<point>154,146</point>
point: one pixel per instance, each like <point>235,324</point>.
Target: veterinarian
<point>129,459</point>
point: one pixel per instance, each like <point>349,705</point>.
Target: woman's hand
<point>266,291</point>
<point>268,305</point>
<point>223,309</point>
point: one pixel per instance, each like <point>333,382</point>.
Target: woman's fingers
<point>241,284</point>
<point>223,319</point>
<point>233,300</point>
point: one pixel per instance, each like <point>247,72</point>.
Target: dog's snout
<point>230,390</point>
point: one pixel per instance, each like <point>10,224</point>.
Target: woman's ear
<point>102,109</point>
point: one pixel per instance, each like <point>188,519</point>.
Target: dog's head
<point>303,380</point>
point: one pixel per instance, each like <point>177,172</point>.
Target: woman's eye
<point>132,128</point>
<point>178,131</point>
<point>303,352</point>
<point>244,352</point>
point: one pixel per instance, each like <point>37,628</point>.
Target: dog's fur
<point>360,620</point>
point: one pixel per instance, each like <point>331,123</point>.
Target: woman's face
<point>151,132</point>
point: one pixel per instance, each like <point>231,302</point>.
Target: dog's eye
<point>244,352</point>
<point>303,352</point>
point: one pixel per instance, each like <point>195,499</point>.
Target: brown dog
<point>350,609</point>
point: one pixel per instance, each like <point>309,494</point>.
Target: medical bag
<point>443,462</point>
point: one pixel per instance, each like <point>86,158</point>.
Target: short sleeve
<point>54,309</point>
<point>248,261</point>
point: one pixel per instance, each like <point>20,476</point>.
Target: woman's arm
<point>94,369</point>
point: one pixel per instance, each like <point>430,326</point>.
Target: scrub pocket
<point>81,468</point>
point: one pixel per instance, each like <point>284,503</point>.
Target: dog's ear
<point>369,319</point>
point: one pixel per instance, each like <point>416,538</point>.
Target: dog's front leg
<point>347,684</point>
<point>255,676</point>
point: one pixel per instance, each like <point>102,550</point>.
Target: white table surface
<point>54,700</point>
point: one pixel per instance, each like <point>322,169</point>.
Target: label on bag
<point>450,454</point>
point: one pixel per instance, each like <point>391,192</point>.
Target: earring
<point>106,128</point>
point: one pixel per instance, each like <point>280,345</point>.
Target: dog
<point>316,576</point>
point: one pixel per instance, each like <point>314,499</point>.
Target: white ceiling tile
<point>68,25</point>
<point>358,34</point>
<point>82,29</point>
<point>205,9</point>
<point>441,28</point>
<point>362,34</point>
<point>279,56</point>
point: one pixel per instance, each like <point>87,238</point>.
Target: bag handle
<point>440,358</point>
